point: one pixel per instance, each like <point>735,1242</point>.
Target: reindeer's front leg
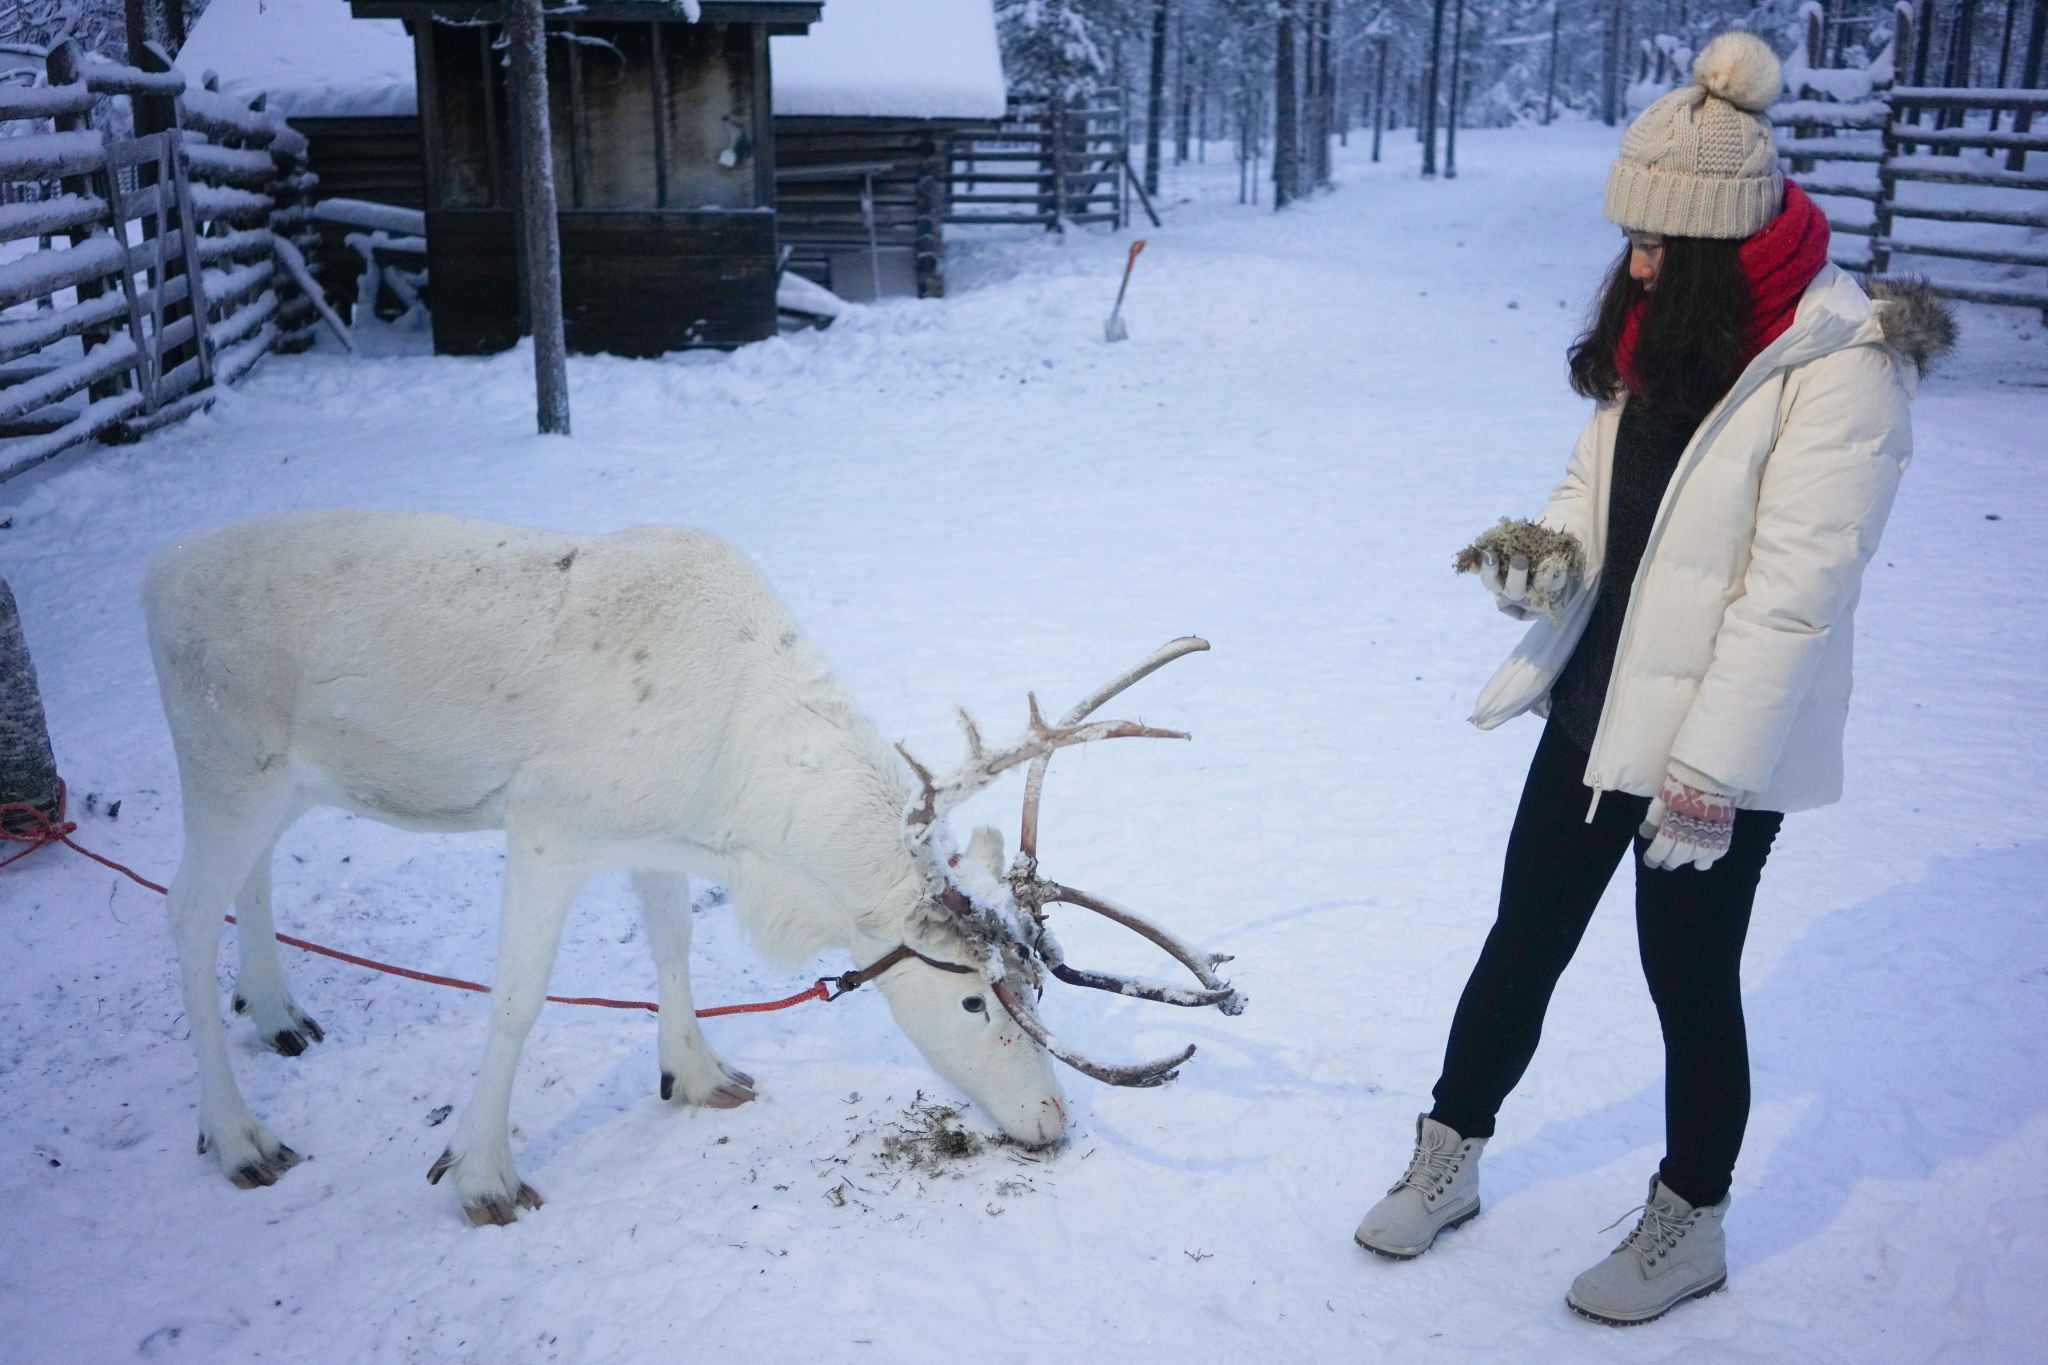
<point>542,878</point>
<point>687,1062</point>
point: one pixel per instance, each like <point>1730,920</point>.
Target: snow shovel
<point>1114,329</point>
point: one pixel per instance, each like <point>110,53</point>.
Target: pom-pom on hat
<point>1701,161</point>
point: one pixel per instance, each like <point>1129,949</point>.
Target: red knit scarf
<point>1779,262</point>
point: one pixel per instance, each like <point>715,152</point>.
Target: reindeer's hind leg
<point>688,1065</point>
<point>223,840</point>
<point>260,991</point>
<point>541,881</point>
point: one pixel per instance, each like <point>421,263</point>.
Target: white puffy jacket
<point>1735,653</point>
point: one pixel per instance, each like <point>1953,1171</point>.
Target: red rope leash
<point>59,831</point>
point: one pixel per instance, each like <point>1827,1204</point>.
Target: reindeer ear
<point>986,848</point>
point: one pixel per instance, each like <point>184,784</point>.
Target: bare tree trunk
<point>1184,99</point>
<point>1427,127</point>
<point>542,239</point>
<point>1550,81</point>
<point>1286,127</point>
<point>1610,71</point>
<point>1326,118</point>
<point>28,770</point>
<point>1379,100</point>
<point>1155,103</point>
<point>1457,92</point>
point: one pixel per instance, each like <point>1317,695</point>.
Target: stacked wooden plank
<point>153,277</point>
<point>1885,135</point>
<point>1050,161</point>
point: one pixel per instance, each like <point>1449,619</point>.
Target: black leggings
<point>1689,926</point>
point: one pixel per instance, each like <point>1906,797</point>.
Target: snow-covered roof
<point>310,56</point>
<point>865,59</point>
<point>892,59</point>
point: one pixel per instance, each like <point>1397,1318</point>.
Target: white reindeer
<point>639,699</point>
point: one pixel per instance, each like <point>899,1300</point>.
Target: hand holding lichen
<point>1528,568</point>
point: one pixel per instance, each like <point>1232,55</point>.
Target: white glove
<point>1691,821</point>
<point>1511,586</point>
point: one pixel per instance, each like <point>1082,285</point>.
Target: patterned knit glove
<point>1691,821</point>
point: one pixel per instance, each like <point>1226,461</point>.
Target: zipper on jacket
<point>1695,452</point>
<point>1751,379</point>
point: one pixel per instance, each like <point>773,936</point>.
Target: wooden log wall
<point>820,217</point>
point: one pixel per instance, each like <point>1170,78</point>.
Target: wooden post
<point>1962,36</point>
<point>659,51</point>
<point>2030,78</point>
<point>66,66</point>
<point>1887,191</point>
<point>28,768</point>
<point>525,29</point>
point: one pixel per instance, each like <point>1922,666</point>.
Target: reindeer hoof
<point>734,1088</point>
<point>304,1032</point>
<point>736,1091</point>
<point>264,1170</point>
<point>498,1211</point>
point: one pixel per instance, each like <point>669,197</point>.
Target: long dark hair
<point>1689,346</point>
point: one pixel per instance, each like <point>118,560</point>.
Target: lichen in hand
<point>1555,559</point>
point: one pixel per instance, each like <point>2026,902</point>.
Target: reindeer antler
<point>1034,781</point>
<point>1028,889</point>
<point>941,794</point>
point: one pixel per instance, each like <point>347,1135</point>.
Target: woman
<point>1727,492</point>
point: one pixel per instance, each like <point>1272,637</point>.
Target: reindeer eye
<point>974,1004</point>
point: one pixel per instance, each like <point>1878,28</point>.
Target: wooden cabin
<point>866,107</point>
<point>664,168</point>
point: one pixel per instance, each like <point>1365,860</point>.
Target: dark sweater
<point>1646,451</point>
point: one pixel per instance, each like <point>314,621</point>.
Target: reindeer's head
<point>979,947</point>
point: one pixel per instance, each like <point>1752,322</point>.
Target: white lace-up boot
<point>1440,1190</point>
<point>1677,1252</point>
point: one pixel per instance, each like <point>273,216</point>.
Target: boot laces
<point>1430,1171</point>
<point>1656,1234</point>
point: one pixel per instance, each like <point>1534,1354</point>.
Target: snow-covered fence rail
<point>152,274</point>
<point>1048,162</point>
<point>1947,185</point>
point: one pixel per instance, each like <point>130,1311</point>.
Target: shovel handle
<point>1129,261</point>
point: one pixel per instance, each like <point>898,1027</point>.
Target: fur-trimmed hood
<point>1916,322</point>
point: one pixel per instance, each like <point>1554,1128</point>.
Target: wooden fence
<point>1049,162</point>
<point>1998,193</point>
<point>157,273</point>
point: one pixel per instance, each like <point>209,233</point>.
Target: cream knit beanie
<point>1701,161</point>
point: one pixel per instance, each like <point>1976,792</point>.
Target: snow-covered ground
<point>970,499</point>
